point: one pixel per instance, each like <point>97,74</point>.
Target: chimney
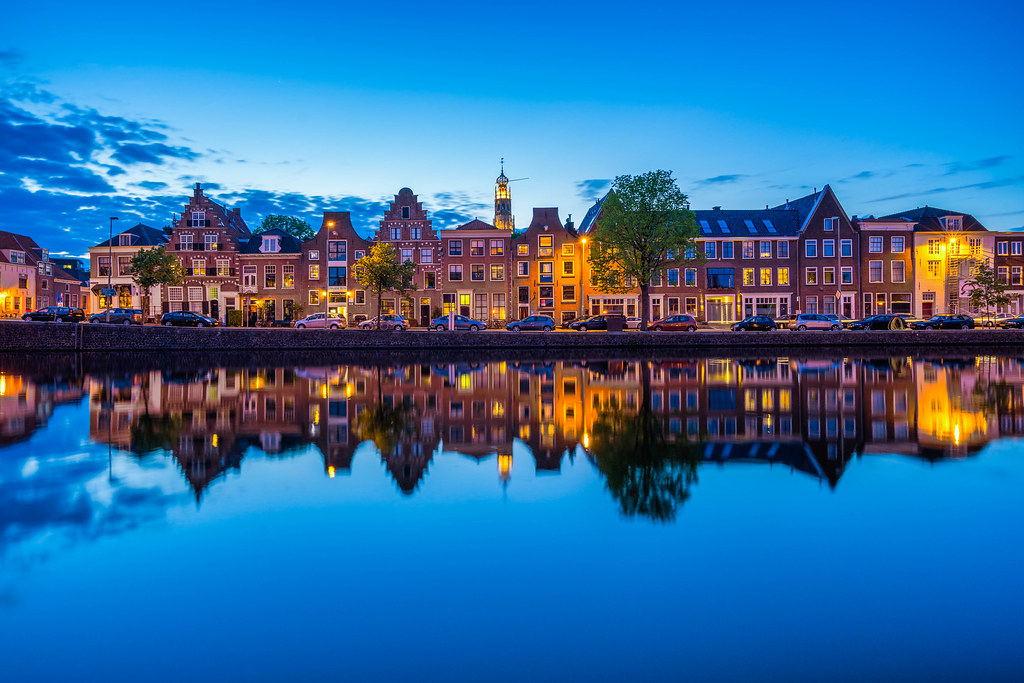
<point>716,208</point>
<point>237,211</point>
<point>198,191</point>
<point>569,224</point>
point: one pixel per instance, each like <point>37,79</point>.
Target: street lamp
<point>583,278</point>
<point>326,315</point>
<point>110,263</point>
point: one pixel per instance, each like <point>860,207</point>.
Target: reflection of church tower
<point>503,219</point>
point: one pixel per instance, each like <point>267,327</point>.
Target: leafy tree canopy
<point>154,267</point>
<point>380,272</point>
<point>987,291</point>
<point>645,227</point>
<point>290,224</point>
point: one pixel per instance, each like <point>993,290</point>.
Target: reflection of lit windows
<point>750,400</point>
<point>767,399</point>
<point>878,431</point>
<point>814,428</point>
<point>498,409</point>
<point>524,432</point>
<point>785,400</point>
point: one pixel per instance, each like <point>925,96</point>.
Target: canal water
<point>763,518</point>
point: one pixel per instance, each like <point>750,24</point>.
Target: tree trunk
<point>645,291</point>
<point>380,295</point>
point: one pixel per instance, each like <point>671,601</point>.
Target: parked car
<point>388,321</point>
<point>320,320</point>
<point>945,322</point>
<point>633,322</point>
<point>187,319</point>
<point>57,314</point>
<point>118,316</point>
<point>1013,323</point>
<point>756,323</point>
<point>544,323</point>
<point>816,321</point>
<point>596,322</point>
<point>461,323</point>
<point>886,321</point>
<point>683,321</point>
<point>993,319</point>
<point>784,322</point>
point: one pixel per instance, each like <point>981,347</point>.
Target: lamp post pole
<point>110,263</point>
<point>326,314</point>
<point>583,278</point>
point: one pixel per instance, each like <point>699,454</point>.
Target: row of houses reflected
<point>812,416</point>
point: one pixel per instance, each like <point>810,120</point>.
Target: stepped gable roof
<point>929,219</point>
<point>289,243</point>
<point>145,236</point>
<point>476,224</point>
<point>229,218</point>
<point>746,223</point>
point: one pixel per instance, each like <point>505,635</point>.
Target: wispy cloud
<point>11,58</point>
<point>987,185</point>
<point>720,179</point>
<point>592,188</point>
<point>957,167</point>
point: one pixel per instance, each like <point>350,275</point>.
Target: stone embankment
<point>48,337</point>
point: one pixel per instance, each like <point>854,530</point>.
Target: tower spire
<point>503,219</point>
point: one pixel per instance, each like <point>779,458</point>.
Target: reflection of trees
<point>384,424</point>
<point>155,432</point>
<point>648,473</point>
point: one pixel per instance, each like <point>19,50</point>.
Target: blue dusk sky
<point>117,108</point>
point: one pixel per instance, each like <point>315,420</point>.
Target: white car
<point>993,319</point>
<point>633,323</point>
<point>317,321</point>
<point>815,321</point>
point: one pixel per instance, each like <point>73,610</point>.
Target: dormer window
<point>46,254</point>
<point>124,240</point>
<point>271,244</point>
<point>17,257</point>
<point>954,222</point>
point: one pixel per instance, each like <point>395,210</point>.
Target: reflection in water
<point>645,425</point>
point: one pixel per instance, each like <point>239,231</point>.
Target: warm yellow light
<point>952,241</point>
<point>350,390</point>
<point>316,415</point>
<point>323,391</point>
<point>586,440</point>
<point>956,435</point>
<point>214,440</point>
<point>330,224</point>
<point>330,471</point>
<point>504,466</point>
<point>584,240</point>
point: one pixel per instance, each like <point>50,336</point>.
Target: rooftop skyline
<point>118,110</point>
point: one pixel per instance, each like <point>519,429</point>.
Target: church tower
<point>503,219</point>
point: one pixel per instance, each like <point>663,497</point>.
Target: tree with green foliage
<point>153,268</point>
<point>986,290</point>
<point>379,272</point>
<point>295,227</point>
<point>645,227</point>
<point>647,470</point>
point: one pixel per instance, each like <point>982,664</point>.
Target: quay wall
<point>19,336</point>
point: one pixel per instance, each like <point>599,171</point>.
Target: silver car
<point>815,321</point>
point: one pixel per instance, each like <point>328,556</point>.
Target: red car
<point>683,321</point>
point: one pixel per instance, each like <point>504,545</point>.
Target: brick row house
<point>328,259</point>
<point>406,227</point>
<point>208,240</point>
<point>476,279</point>
<point>547,268</point>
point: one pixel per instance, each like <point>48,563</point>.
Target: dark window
<point>721,278</point>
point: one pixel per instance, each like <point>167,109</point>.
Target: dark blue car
<point>544,323</point>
